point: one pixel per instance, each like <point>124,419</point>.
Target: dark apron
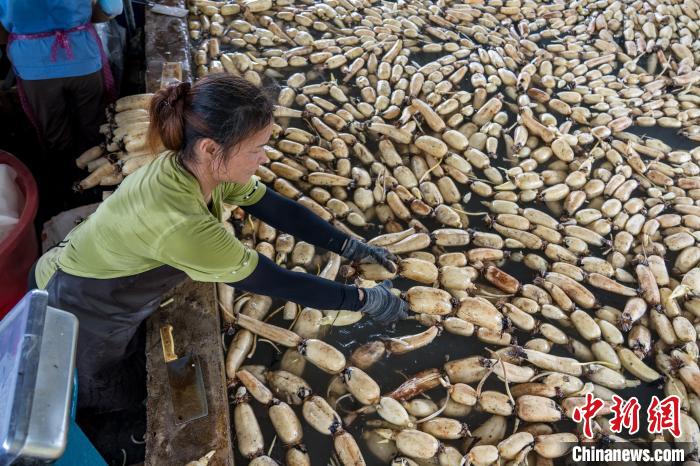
<point>109,313</point>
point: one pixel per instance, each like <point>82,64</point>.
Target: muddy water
<point>393,370</point>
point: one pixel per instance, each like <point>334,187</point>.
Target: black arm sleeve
<point>301,288</point>
<point>295,219</point>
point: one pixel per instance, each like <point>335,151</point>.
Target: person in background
<point>63,77</point>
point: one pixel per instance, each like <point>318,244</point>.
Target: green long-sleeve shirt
<point>156,217</point>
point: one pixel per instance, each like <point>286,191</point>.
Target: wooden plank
<point>166,40</point>
<point>192,312</point>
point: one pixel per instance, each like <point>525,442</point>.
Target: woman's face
<point>245,158</point>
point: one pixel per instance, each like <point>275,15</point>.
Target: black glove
<point>382,305</point>
<point>356,250</point>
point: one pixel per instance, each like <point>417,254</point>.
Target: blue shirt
<point>31,58</point>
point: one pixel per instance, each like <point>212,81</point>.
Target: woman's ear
<point>207,149</point>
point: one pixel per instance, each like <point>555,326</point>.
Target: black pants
<point>111,334</point>
<point>69,112</point>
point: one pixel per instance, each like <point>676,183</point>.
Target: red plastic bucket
<point>19,250</point>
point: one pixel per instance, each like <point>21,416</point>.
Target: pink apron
<point>62,40</point>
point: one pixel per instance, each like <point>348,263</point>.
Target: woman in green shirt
<point>163,224</point>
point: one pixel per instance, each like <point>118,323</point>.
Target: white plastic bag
<point>11,201</point>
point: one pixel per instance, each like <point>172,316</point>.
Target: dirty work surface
<point>166,41</point>
<point>193,315</point>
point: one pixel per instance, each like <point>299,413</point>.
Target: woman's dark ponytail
<point>167,114</point>
<point>221,107</point>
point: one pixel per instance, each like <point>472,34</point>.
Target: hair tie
<point>177,93</point>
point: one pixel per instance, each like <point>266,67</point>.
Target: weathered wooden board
<point>194,317</point>
<point>193,312</point>
<point>167,40</point>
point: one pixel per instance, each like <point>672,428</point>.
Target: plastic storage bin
<point>37,355</point>
<point>38,345</point>
<point>19,250</point>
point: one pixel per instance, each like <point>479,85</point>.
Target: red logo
<point>626,414</point>
<point>662,415</point>
<point>587,412</point>
<point>665,415</point>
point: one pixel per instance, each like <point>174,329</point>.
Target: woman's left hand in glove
<point>357,250</point>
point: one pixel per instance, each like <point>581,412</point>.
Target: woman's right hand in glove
<point>382,305</point>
